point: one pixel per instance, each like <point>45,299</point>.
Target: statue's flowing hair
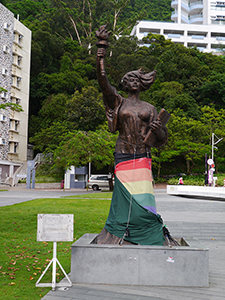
<point>146,79</point>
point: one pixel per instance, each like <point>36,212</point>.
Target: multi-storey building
<point>15,50</point>
<point>196,23</point>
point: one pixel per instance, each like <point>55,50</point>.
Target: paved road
<point>203,219</point>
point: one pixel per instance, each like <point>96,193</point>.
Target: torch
<point>102,35</point>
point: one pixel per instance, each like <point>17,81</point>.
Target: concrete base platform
<point>140,265</point>
<point>196,191</point>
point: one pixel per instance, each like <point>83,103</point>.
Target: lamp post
<point>211,161</point>
<point>214,143</point>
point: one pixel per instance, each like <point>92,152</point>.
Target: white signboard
<point>55,227</point>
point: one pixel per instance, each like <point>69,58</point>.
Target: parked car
<point>97,182</point>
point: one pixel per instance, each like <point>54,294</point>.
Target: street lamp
<point>214,143</point>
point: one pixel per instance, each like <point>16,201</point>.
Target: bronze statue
<point>140,128</point>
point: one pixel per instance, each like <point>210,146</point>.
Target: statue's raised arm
<point>109,92</point>
<point>112,100</point>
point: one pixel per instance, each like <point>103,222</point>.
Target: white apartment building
<point>15,53</point>
<point>195,23</point>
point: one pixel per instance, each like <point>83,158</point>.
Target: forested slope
<point>66,108</point>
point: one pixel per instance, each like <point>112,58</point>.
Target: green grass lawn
<point>23,259</point>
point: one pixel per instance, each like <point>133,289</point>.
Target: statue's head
<point>146,79</point>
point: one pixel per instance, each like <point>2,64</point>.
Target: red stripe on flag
<point>134,164</point>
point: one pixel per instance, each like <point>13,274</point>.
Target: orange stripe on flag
<point>134,175</point>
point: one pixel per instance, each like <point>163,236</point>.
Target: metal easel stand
<point>53,262</point>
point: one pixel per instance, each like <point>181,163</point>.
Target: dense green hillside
<point>65,99</point>
<point>103,11</point>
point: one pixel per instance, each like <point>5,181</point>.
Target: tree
<point>119,7</point>
<point>212,90</point>
<point>71,75</point>
<point>27,9</point>
<point>79,148</point>
<point>187,139</point>
<point>52,111</point>
<point>85,109</point>
<point>171,95</point>
<point>47,48</point>
<point>80,15</point>
<point>48,139</point>
<point>214,121</point>
<point>157,43</point>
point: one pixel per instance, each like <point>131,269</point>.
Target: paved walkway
<point>203,219</point>
<point>13,195</point>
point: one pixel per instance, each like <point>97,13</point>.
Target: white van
<point>97,182</point>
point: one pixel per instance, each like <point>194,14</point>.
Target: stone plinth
<point>139,265</point>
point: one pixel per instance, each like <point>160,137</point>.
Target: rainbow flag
<point>136,176</point>
<point>133,199</point>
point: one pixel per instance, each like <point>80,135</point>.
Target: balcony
<point>174,4</point>
<point>185,6</point>
<point>185,19</point>
<point>196,19</point>
<point>174,16</point>
<point>196,7</point>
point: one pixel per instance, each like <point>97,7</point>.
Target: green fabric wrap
<point>145,227</point>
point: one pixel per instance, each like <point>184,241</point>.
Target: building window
<point>20,39</point>
<point>14,58</point>
<point>19,59</point>
<point>16,125</point>
<point>18,82</point>
<point>15,147</point>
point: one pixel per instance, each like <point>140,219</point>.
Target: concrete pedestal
<point>139,265</point>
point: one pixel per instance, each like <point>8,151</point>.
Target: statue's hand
<point>156,125</point>
<point>101,52</point>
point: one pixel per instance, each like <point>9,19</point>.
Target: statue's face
<point>134,84</point>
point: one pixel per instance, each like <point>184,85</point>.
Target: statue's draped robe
<point>133,202</point>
